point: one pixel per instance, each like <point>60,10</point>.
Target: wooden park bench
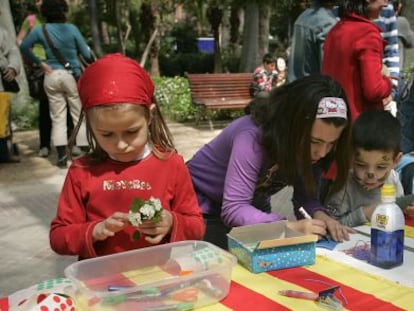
<point>213,91</point>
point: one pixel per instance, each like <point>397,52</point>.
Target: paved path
<point>28,196</point>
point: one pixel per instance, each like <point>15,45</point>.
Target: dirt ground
<point>31,167</point>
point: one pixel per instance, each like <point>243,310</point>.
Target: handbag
<point>35,79</point>
<point>10,86</point>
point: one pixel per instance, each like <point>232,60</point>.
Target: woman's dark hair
<point>54,11</point>
<point>286,119</point>
<point>353,6</point>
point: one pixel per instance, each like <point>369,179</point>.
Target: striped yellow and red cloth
<point>359,290</point>
<point>362,291</point>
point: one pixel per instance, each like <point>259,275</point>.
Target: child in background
<point>132,156</point>
<point>264,77</point>
<point>376,152</point>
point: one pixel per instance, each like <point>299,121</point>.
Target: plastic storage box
<point>176,276</point>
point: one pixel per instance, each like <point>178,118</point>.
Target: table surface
<point>362,285</point>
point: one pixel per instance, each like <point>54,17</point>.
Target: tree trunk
<point>234,30</point>
<point>215,16</point>
<point>250,38</point>
<point>265,11</point>
<point>96,39</point>
<point>155,47</point>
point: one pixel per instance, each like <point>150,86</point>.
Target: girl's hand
<point>156,231</point>
<point>110,226</point>
<point>338,232</point>
<point>308,226</point>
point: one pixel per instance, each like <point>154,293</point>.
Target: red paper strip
<point>241,298</point>
<point>357,300</point>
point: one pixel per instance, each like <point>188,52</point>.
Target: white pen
<point>307,216</point>
<point>304,213</point>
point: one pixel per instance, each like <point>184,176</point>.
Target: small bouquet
<point>144,210</point>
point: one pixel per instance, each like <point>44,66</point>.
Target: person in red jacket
<point>131,157</point>
<point>353,53</point>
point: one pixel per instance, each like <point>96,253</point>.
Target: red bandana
<point>115,79</point>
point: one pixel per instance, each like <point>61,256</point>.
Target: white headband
<point>331,107</point>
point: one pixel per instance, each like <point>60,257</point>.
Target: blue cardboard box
<point>271,246</point>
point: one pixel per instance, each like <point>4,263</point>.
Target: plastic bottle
<point>387,231</point>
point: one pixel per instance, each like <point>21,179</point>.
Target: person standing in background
<point>387,21</point>
<point>353,56</point>
<point>406,96</point>
<point>44,121</point>
<point>60,80</point>
<point>10,68</point>
<point>309,32</point>
<point>405,34</point>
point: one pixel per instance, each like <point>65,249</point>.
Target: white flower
<point>147,211</point>
<point>156,203</point>
<point>134,218</point>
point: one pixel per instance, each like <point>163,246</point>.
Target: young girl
<point>288,139</point>
<point>132,156</point>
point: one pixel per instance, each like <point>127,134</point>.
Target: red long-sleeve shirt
<point>353,53</point>
<point>90,194</point>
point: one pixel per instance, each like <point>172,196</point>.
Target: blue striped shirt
<point>389,31</point>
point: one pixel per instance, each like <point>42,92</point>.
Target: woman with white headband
<point>291,138</point>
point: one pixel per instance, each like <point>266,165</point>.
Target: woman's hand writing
<point>308,226</point>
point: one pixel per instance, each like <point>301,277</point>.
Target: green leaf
<point>157,217</point>
<point>136,235</point>
<point>136,205</point>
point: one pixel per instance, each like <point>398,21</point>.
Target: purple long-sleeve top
<point>225,173</point>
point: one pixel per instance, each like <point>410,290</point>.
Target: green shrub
<point>172,95</point>
<point>24,113</point>
<point>174,99</point>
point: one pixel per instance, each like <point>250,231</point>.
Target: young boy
<point>376,152</point>
<point>264,77</point>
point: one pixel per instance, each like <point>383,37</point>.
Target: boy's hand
<point>110,226</point>
<point>337,231</point>
<point>156,231</point>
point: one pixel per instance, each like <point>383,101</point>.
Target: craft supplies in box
<point>175,276</point>
<point>271,246</point>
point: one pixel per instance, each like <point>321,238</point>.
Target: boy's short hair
<point>269,58</point>
<point>376,130</point>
